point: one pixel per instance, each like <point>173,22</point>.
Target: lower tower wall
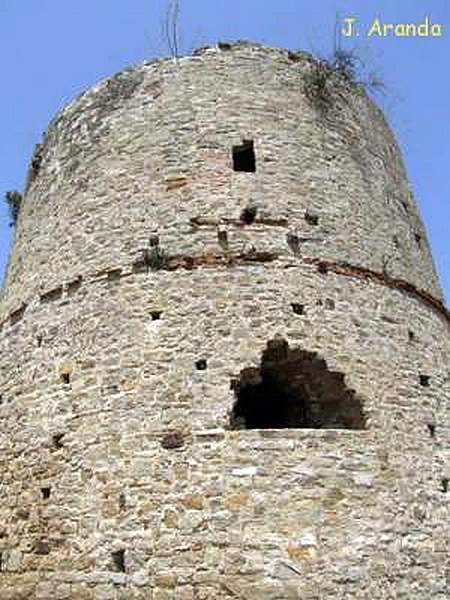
<point>122,477</point>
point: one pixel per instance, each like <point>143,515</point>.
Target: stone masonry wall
<point>121,476</point>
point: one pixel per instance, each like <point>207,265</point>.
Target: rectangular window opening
<point>244,157</point>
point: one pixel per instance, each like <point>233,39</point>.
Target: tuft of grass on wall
<point>343,66</point>
<point>14,201</point>
<point>155,258</point>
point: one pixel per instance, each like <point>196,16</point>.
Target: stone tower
<point>224,349</point>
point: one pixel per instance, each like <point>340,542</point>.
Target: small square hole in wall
<point>293,242</point>
<point>311,218</point>
<point>244,157</point>
<point>45,491</point>
<point>222,237</point>
<point>65,378</point>
<point>156,315</point>
<point>444,484</point>
<point>330,304</point>
<point>248,215</point>
<point>118,559</point>
<point>432,429</point>
<point>424,380</point>
<point>322,268</point>
<point>418,239</point>
<point>298,309</point>
<point>57,440</point>
<point>201,365</point>
<point>411,335</point>
<point>153,241</point>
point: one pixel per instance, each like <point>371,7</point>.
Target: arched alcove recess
<point>294,388</point>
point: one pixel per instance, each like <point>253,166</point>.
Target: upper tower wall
<point>149,151</point>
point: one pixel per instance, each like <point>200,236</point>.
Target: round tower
<point>224,348</point>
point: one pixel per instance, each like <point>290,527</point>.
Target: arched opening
<point>293,388</point>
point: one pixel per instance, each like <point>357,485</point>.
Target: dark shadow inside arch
<point>294,388</point>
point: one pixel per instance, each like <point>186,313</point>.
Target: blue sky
<point>51,50</point>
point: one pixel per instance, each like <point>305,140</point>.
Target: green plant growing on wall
<point>155,258</point>
<point>316,83</point>
<point>342,66</point>
<point>14,202</point>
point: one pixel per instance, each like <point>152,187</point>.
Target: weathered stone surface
<point>118,384</point>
